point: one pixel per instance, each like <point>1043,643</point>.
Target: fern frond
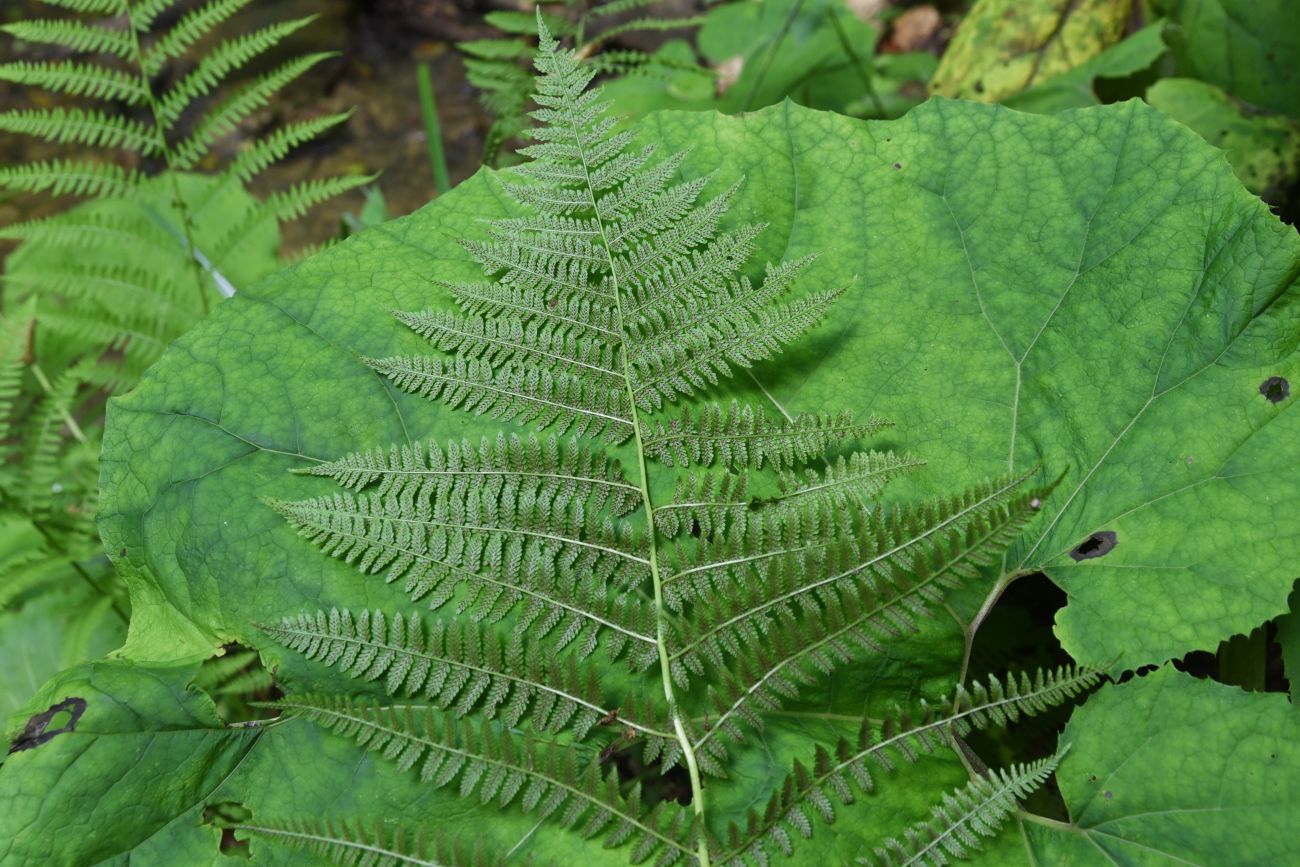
<point>496,765</point>
<point>60,177</point>
<point>560,474</point>
<point>743,436</point>
<point>217,65</point>
<point>78,126</point>
<point>352,846</point>
<point>76,79</point>
<point>460,668</point>
<point>193,26</point>
<point>74,35</point>
<point>836,774</point>
<point>976,810</point>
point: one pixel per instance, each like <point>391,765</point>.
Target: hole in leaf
<point>60,719</point>
<point>1252,661</point>
<point>222,815</point>
<point>237,682</point>
<point>1275,389</point>
<point>1099,544</point>
<point>656,785</point>
<point>1018,635</point>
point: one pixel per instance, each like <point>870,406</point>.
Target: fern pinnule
<point>96,7</point>
<point>742,436</point>
<point>462,668</point>
<point>561,473</point>
<point>494,341</point>
<point>76,79</point>
<point>74,36</point>
<point>976,810</point>
<point>77,126</point>
<point>999,704</point>
<point>70,177</point>
<point>352,845</point>
<point>15,344</point>
<point>540,777</point>
<point>515,393</point>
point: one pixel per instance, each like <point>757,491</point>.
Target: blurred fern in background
<point>136,96</point>
<point>500,67</point>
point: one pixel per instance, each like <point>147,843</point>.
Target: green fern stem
<point>160,137</point>
<point>661,608</point>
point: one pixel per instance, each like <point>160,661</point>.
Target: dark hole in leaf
<point>657,785</point>
<point>1275,389</point>
<point>239,684</point>
<point>695,528</point>
<point>40,729</point>
<point>1099,544</point>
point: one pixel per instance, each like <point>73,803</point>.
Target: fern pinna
<point>749,564</point>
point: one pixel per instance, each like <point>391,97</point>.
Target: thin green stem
<point>661,609</point>
<point>1000,587</point>
<point>864,74</point>
<point>432,129</point>
<point>73,427</point>
<point>165,151</point>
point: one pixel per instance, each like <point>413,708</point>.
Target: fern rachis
<point>615,303</point>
